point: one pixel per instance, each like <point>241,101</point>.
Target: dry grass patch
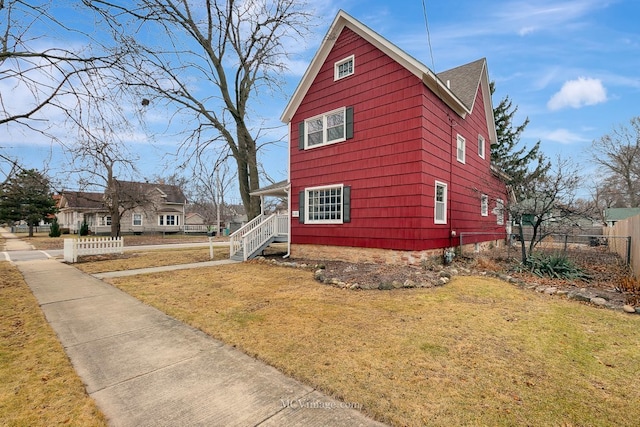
<point>38,386</point>
<point>153,258</point>
<point>474,352</point>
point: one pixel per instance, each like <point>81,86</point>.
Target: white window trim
<point>133,220</point>
<point>484,205</point>
<point>324,128</point>
<point>461,146</point>
<point>435,203</point>
<point>307,211</point>
<point>481,146</point>
<point>337,65</point>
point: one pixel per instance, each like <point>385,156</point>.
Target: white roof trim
<point>414,66</point>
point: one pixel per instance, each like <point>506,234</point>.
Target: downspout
<point>288,190</point>
<point>450,219</point>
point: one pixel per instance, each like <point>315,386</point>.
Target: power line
<point>426,24</point>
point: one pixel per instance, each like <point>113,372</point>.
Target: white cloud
<point>578,93</point>
<point>564,136</point>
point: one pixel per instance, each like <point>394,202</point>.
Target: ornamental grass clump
<point>556,266</point>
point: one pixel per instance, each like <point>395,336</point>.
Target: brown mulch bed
<point>606,270</point>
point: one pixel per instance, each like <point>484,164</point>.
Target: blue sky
<point>572,67</point>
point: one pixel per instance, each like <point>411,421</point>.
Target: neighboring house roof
<point>82,200</point>
<point>618,214</point>
<point>171,193</point>
<point>459,95</point>
<point>277,189</point>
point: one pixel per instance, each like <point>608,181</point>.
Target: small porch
<point>265,229</point>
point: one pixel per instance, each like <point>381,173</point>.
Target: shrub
<point>556,266</point>
<point>84,228</point>
<point>55,231</point>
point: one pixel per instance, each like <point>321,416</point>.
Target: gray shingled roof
<point>82,200</point>
<point>173,192</point>
<point>464,81</point>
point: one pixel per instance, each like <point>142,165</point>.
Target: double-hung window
<point>328,128</point>
<point>440,208</point>
<point>499,212</point>
<point>481,146</point>
<point>461,149</point>
<point>484,205</point>
<point>137,219</point>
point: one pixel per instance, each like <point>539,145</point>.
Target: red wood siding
<point>403,141</point>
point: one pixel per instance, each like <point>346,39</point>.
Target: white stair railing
<point>258,236</point>
<point>235,240</point>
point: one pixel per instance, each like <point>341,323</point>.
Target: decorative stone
<point>598,301</point>
<point>562,292</point>
<point>442,281</point>
<point>629,309</point>
<point>409,283</point>
<point>453,272</point>
<point>551,291</point>
<point>319,275</point>
<point>385,286</point>
<point>444,274</point>
<point>396,284</point>
<point>578,296</point>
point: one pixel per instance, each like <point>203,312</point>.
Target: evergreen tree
<point>55,231</point>
<point>26,197</point>
<point>522,165</point>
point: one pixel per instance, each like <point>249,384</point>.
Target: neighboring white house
<point>145,208</point>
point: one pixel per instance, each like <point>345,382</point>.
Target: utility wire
<point>426,24</point>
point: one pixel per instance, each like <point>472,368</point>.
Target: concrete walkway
<point>144,368</point>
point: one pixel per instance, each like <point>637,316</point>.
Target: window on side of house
<point>461,148</point>
<point>440,206</point>
<point>344,68</point>
<point>481,146</point>
<point>326,129</point>
<point>499,211</point>
<point>324,205</point>
<point>329,204</point>
<point>484,205</point>
<point>105,220</point>
<point>137,219</point>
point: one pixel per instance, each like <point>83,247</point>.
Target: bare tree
<point>213,180</point>
<point>210,59</point>
<point>99,156</point>
<point>30,63</point>
<point>550,207</point>
<point>618,156</point>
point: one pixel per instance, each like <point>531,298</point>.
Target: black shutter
<point>301,136</point>
<point>301,208</point>
<point>346,204</point>
<point>349,123</point>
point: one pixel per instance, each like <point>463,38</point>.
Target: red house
<point>389,161</point>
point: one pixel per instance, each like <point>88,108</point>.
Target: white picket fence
<point>73,248</point>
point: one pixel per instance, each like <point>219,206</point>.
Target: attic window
<point>344,68</point>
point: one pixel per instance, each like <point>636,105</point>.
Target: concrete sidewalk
<point>13,243</point>
<point>144,368</point>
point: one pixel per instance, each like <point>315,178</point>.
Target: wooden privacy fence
<point>627,227</point>
<point>73,248</point>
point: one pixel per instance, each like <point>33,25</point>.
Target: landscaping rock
<point>409,284</point>
<point>578,296</point>
<point>396,284</point>
<point>385,286</point>
<point>444,274</point>
<point>598,301</point>
<point>629,309</point>
<point>551,291</point>
<point>442,281</point>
